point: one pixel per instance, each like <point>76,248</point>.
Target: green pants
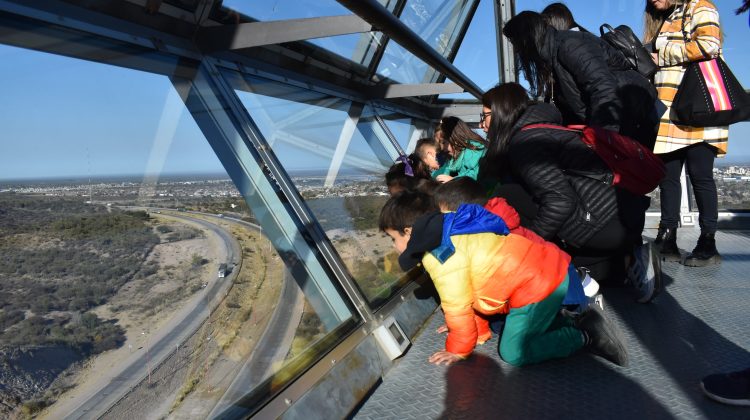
<point>533,334</point>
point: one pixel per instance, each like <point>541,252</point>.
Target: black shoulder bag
<point>709,94</point>
<point>625,41</point>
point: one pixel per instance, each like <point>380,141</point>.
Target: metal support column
<point>504,10</point>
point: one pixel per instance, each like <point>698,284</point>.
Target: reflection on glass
<point>438,23</point>
<point>293,9</point>
<point>477,53</point>
<point>336,154</point>
<point>405,130</point>
<point>286,9</point>
<point>129,254</point>
<point>359,48</point>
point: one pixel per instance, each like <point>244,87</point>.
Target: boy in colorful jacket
<point>477,265</point>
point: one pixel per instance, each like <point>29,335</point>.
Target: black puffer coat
<point>567,179</point>
<point>594,85</point>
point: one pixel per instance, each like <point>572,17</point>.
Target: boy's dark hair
<point>401,210</point>
<point>458,191</point>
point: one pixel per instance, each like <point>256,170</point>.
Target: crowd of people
<point>504,225</point>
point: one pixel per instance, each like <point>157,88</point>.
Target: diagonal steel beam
<point>374,13</point>
<point>254,34</point>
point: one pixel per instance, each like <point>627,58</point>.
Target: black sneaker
<point>604,338</point>
<point>728,388</point>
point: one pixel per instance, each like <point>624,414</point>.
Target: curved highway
<point>271,348</point>
<point>186,322</point>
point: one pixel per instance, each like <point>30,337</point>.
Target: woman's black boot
<point>668,250</point>
<point>705,252</point>
<point>660,235</point>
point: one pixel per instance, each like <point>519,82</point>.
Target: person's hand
<point>655,57</point>
<point>442,329</point>
<point>443,357</point>
<point>443,178</point>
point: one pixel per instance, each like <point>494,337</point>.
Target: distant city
<point>188,186</point>
<point>733,185</point>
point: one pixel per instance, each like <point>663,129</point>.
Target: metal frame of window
<point>374,13</point>
<point>504,10</point>
<point>75,32</point>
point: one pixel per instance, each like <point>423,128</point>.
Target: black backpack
<point>625,41</point>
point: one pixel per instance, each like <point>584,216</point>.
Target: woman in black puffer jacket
<point>577,206</point>
<point>588,80</point>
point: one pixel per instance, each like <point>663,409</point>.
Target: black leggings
<point>699,159</point>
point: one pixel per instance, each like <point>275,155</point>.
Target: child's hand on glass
<point>442,329</point>
<point>444,358</point>
<point>443,178</point>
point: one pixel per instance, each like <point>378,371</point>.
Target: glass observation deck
<point>189,193</point>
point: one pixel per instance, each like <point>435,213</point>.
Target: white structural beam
<point>347,132</point>
<point>254,34</point>
<point>420,89</point>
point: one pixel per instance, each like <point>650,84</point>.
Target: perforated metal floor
<point>699,325</point>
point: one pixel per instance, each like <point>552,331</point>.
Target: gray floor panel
<point>699,325</point>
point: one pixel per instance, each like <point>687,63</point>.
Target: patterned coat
<point>704,35</point>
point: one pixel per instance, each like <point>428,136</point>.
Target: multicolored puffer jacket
<point>480,267</point>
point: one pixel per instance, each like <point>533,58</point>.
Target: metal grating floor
<point>699,325</point>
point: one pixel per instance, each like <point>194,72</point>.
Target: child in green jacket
<point>463,146</point>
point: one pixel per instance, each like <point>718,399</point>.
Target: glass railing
<point>135,280</point>
<point>336,154</point>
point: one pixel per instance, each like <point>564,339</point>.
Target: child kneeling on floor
<point>478,267</point>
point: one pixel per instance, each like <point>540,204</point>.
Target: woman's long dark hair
<point>456,132</point>
<point>507,102</point>
<point>526,32</point>
<point>558,16</point>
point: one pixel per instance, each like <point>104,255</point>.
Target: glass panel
<point>406,130</point>
<point>133,276</point>
<point>735,30</point>
<point>286,9</point>
<point>359,48</point>
<point>732,173</point>
<point>435,21</point>
<point>293,9</point>
<point>477,53</point>
<point>336,155</point>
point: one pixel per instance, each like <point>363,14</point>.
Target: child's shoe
<point>602,337</point>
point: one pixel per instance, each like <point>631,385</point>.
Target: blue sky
<point>68,118</point>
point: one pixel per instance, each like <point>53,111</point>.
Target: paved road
<point>187,321</point>
<point>272,348</point>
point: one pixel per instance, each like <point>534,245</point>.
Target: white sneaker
<point>590,286</point>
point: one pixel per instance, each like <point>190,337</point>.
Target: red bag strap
<point>574,128</point>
